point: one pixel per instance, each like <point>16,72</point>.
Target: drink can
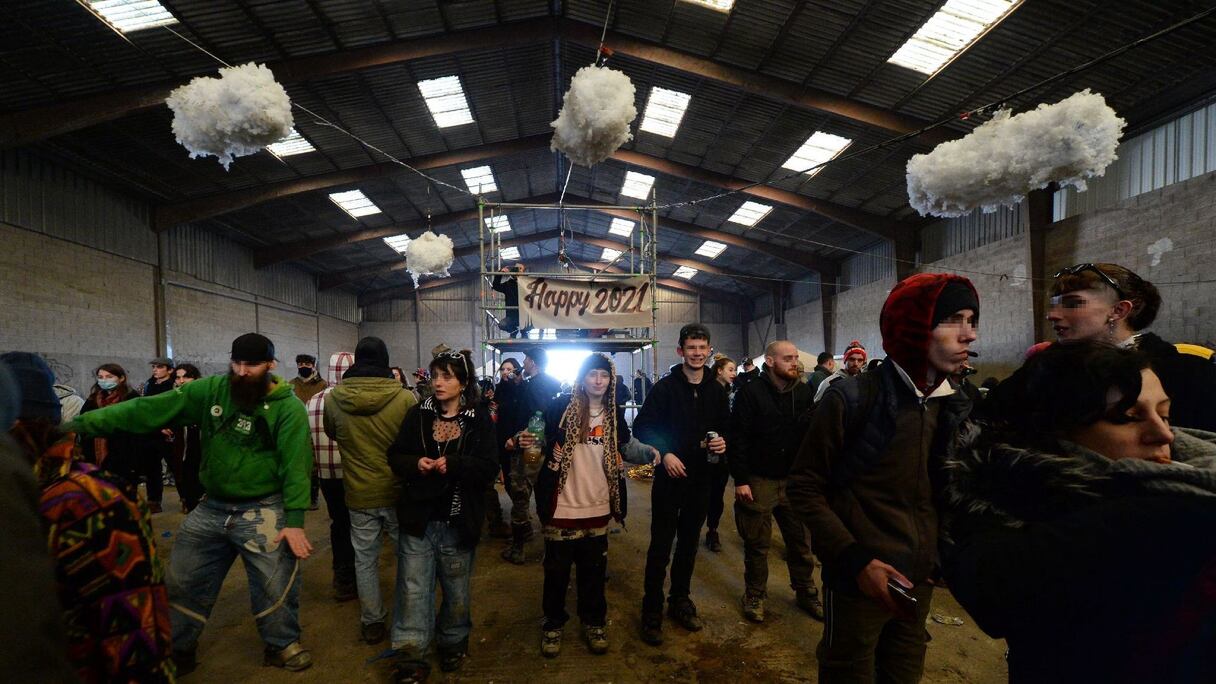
<point>711,457</point>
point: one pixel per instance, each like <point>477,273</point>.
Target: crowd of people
<point>1081,488</point>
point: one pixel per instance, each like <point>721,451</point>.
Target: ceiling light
<point>499,223</point>
<point>719,5</point>
<point>637,185</point>
<point>664,111</point>
<point>355,203</point>
<point>445,98</point>
<point>610,254</point>
<point>819,148</point>
<point>750,213</point>
<point>621,227</point>
<point>132,15</point>
<point>950,31</point>
<point>398,242</point>
<point>479,179</point>
<point>509,253</point>
<point>711,249</point>
<point>294,143</point>
<point>685,272</point>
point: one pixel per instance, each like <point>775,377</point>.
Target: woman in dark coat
<point>119,453</point>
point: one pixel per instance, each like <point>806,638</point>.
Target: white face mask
<point>107,384</point>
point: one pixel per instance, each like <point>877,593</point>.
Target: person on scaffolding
<point>509,287</point>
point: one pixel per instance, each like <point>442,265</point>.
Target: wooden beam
<point>169,215</point>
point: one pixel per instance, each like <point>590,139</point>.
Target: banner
<point>606,303</point>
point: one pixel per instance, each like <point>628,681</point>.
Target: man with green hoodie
<point>363,415</point>
<point>257,462</point>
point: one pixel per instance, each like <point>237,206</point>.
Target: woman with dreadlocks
<point>580,489</point>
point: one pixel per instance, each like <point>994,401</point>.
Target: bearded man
<point>257,461</point>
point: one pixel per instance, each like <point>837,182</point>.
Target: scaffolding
<point>638,257</point>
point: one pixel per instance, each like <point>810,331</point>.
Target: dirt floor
<point>504,646</point>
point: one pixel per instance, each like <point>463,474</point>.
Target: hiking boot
<point>652,628</point>
<point>184,662</point>
<point>373,633</point>
<point>293,658</point>
<point>450,659</point>
<point>808,600</point>
<point>753,607</point>
<point>515,552</point>
<point>597,639</point>
<point>713,542</point>
<point>551,642</point>
<point>684,613</point>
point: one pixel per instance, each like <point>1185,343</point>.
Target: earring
<point>463,401</point>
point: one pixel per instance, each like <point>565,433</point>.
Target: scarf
<point>101,448</point>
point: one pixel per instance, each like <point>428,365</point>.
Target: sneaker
<point>652,628</point>
<point>184,662</point>
<point>684,613</point>
<point>293,658</point>
<point>597,639</point>
<point>713,542</point>
<point>808,600</point>
<point>373,633</point>
<point>514,554</point>
<point>753,607</point>
<point>551,642</point>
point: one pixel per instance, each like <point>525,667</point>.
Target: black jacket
<point>124,448</point>
<point>513,415</point>
<point>769,427</point>
<point>474,464</point>
<point>677,415</point>
<point>1190,382</point>
<point>547,480</point>
<point>540,390</point>
<point>509,287</point>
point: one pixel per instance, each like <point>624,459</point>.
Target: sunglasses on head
<point>1093,268</point>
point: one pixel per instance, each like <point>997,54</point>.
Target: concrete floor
<point>504,646</point>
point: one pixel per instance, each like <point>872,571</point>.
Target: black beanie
<point>596,362</point>
<point>35,383</point>
<point>371,351</point>
<point>954,297</point>
<point>252,348</point>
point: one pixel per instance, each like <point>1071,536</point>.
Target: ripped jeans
<point>438,553</point>
<point>209,540</point>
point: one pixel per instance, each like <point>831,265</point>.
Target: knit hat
<point>371,351</point>
<point>596,362</point>
<point>855,349</point>
<point>912,311</point>
<point>252,348</point>
<point>35,382</point>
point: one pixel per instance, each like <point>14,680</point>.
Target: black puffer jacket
<point>1190,382</point>
<point>769,427</point>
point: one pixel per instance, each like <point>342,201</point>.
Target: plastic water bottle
<point>536,426</point>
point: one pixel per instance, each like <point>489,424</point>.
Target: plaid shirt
<point>326,459</point>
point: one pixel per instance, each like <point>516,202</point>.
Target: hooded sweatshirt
<point>363,414</point>
<point>246,456</point>
<point>677,414</point>
<point>327,458</point>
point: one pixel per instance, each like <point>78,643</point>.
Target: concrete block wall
<point>202,324</point>
<point>856,316</point>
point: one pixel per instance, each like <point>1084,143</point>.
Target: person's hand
<point>717,445</point>
<point>872,581</point>
<point>426,465</point>
<point>673,465</point>
<point>743,493</point>
<point>168,434</point>
<point>296,540</point>
<point>525,440</point>
<point>441,464</point>
<point>658,458</point>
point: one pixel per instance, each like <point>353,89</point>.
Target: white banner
<point>608,303</point>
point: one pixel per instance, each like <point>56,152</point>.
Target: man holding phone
<point>863,482</point>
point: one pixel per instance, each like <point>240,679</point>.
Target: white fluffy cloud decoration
<point>429,254</point>
<point>234,114</point>
<point>595,117</point>
<point>1001,161</point>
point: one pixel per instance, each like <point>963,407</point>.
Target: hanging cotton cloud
<point>595,116</point>
<point>237,113</point>
<point>1007,157</point>
<point>429,254</point>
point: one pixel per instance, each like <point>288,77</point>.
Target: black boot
<point>515,552</point>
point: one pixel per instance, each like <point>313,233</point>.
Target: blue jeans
<point>366,527</point>
<point>438,553</point>
<point>210,538</point>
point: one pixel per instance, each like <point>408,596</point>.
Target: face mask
<point>107,385</point>
<point>305,371</point>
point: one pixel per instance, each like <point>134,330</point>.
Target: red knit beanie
<point>855,349</point>
<point>907,321</point>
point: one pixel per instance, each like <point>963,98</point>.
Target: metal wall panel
<point>341,304</point>
<point>948,237</point>
<point>1171,153</point>
<point>874,263</point>
<point>198,252</point>
<point>39,196</point>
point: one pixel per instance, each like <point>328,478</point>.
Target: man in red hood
<point>863,481</point>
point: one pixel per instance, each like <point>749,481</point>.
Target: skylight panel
<point>132,15</point>
<point>950,31</point>
<point>621,227</point>
<point>750,213</point>
<point>509,253</point>
<point>294,143</point>
<point>717,5</point>
<point>398,242</point>
<point>685,272</point>
<point>711,249</point>
<point>817,149</point>
<point>355,203</point>
<point>637,185</point>
<point>498,224</point>
<point>479,179</point>
<point>610,254</point>
<point>664,111</point>
<point>445,98</point>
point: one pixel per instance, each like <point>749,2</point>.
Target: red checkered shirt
<point>327,460</point>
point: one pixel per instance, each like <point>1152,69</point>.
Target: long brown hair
<point>720,362</point>
<point>577,418</point>
<point>123,389</point>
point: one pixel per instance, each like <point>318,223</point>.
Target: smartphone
<point>905,602</point>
